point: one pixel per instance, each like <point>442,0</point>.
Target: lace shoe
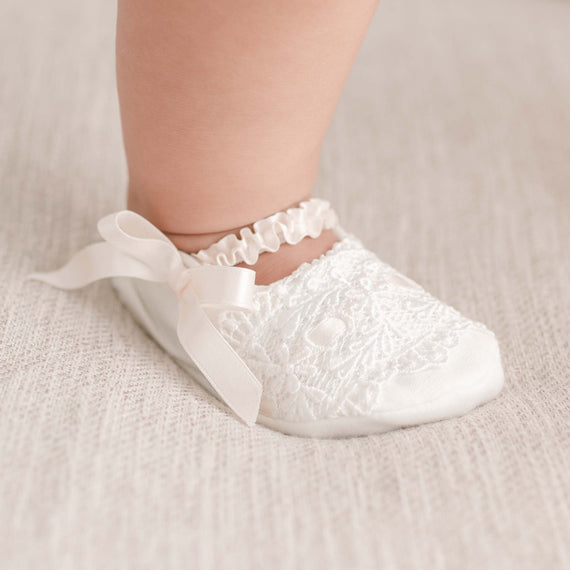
<point>344,346</point>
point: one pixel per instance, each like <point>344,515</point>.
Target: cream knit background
<point>450,156</point>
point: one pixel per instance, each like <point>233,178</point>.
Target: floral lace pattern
<point>325,338</point>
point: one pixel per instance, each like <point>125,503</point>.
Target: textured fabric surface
<point>347,339</point>
<point>448,156</point>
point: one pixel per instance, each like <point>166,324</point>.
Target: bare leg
<point>224,108</point>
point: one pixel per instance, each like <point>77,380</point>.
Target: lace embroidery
<point>324,339</point>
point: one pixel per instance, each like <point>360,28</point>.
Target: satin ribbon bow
<point>133,247</point>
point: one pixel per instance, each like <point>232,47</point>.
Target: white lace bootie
<point>343,346</point>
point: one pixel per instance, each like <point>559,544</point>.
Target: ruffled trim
<point>309,219</point>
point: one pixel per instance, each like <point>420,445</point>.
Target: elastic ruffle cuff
<point>291,226</point>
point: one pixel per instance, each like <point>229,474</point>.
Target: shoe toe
<point>471,376</point>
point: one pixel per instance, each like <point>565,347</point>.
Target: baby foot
<point>342,345</point>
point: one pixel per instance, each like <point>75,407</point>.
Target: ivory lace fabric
<point>334,338</point>
<point>345,337</point>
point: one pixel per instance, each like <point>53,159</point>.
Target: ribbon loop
<point>136,237</point>
<point>133,247</point>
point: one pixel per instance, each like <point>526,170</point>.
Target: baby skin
<point>224,108</point>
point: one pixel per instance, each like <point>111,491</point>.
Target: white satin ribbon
<point>133,247</point>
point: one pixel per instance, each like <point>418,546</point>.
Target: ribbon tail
<point>223,368</point>
<point>94,262</point>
